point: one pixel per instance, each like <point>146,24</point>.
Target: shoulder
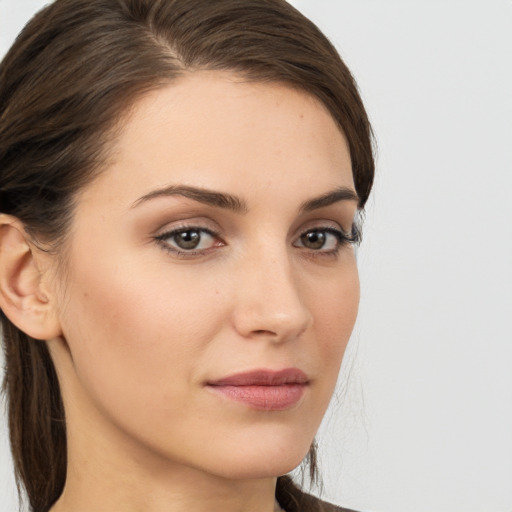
<point>293,499</point>
<point>313,503</point>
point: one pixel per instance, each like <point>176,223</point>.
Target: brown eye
<point>322,240</point>
<point>193,240</point>
<point>187,240</point>
<point>313,240</point>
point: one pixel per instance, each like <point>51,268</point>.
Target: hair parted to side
<point>65,85</point>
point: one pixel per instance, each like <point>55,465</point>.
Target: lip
<point>262,389</point>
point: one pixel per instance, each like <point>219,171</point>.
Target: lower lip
<point>264,398</point>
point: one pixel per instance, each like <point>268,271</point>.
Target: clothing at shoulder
<point>315,504</point>
<point>293,499</point>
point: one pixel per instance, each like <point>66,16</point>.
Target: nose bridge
<point>269,299</point>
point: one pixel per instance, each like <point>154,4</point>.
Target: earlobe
<point>22,296</point>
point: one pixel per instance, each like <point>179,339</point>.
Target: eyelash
<point>342,237</point>
<point>161,239</point>
<point>344,240</point>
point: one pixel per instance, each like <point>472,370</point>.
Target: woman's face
<point>211,286</point>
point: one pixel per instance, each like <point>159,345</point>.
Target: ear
<point>23,297</point>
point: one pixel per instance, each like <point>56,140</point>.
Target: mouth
<point>264,390</point>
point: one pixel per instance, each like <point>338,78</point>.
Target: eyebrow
<point>329,198</point>
<point>208,197</point>
<point>237,205</point>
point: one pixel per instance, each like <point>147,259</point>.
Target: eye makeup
<point>190,241</point>
<point>193,241</point>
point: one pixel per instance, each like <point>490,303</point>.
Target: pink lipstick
<point>265,390</point>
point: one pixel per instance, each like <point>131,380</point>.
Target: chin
<point>258,469</point>
<point>261,460</point>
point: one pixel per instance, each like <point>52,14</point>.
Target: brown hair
<point>68,79</point>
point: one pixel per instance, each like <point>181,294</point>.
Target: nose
<point>269,302</point>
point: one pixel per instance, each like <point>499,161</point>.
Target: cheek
<point>130,337</point>
<point>335,312</point>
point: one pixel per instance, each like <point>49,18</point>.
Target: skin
<point>142,328</point>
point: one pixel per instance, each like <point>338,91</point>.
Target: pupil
<point>188,239</point>
<point>314,239</point>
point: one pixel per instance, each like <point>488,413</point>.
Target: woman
<point>179,183</point>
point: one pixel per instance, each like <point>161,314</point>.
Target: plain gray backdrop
<point>423,418</point>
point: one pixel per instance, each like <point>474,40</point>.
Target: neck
<point>165,494</point>
<point>108,473</point>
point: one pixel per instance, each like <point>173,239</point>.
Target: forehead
<point>217,130</point>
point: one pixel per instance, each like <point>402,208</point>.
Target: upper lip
<point>263,377</point>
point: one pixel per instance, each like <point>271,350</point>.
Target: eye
<point>326,240</point>
<point>319,239</point>
<point>189,240</point>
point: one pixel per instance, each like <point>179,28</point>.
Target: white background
<point>423,421</point>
